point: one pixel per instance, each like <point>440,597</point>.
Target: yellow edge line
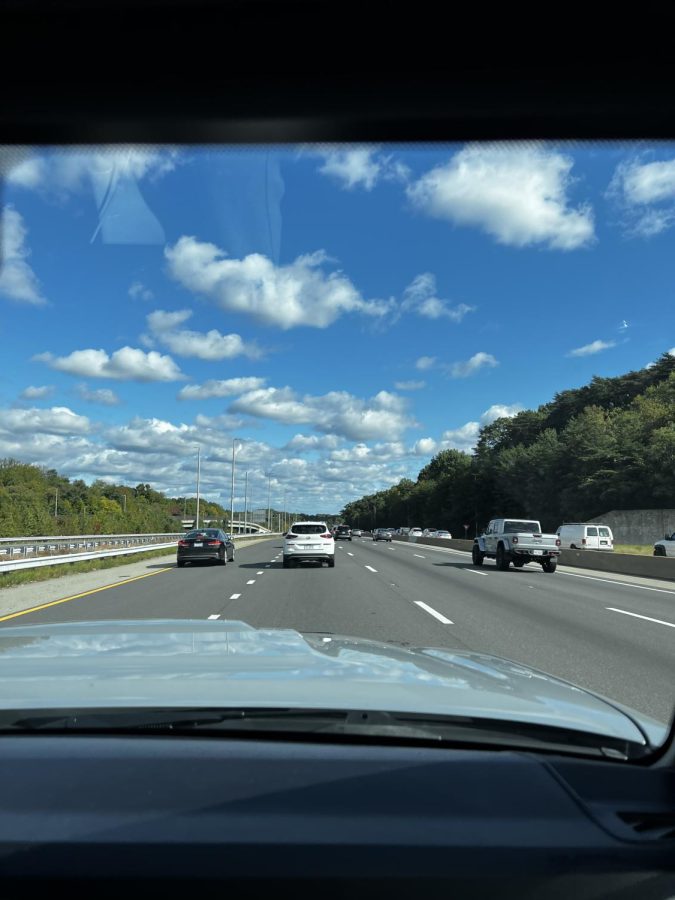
<point>24,612</point>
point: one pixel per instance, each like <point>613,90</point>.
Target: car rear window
<point>311,528</point>
<point>526,527</point>
<point>604,532</point>
<point>207,532</point>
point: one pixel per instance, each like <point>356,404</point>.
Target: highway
<point>613,636</point>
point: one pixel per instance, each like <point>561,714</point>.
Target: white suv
<point>308,540</point>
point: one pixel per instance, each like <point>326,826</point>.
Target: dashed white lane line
<point>474,572</point>
<point>349,554</point>
<point>370,568</point>
<point>642,587</point>
<point>434,613</point>
<point>235,596</point>
<point>260,572</point>
<point>252,581</point>
<point>419,556</point>
<point>638,616</point>
<point>214,617</point>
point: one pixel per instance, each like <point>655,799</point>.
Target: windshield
<point>174,322</point>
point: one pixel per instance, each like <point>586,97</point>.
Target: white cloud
<point>29,173</point>
<point>37,393</point>
<point>477,362</point>
<point>381,417</point>
<point>17,280</point>
<point>57,420</point>
<point>138,291</point>
<point>645,192</point>
<point>420,297</point>
<point>362,167</point>
<point>285,296</point>
<point>126,364</point>
<point>104,396</point>
<point>517,194</point>
<point>425,447</point>
<point>500,411</point>
<point>425,362</point>
<point>466,437</point>
<point>590,349</point>
<point>230,387</point>
<point>624,326</point>
<point>409,385</point>
<point>211,346</point>
<point>305,442</point>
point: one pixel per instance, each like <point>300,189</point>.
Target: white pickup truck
<point>516,541</point>
<point>666,547</point>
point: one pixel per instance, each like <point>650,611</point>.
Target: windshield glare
<point>175,319</point>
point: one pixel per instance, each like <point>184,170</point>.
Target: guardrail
<point>26,553</point>
<point>660,567</point>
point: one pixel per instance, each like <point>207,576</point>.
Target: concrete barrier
<point>660,567</point>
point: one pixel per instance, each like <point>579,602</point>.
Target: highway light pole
<point>269,500</point>
<point>245,500</point>
<point>199,464</point>
<point>234,441</point>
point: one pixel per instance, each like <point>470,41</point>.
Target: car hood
<point>216,664</point>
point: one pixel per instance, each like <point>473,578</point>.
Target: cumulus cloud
<point>305,442</point>
<point>138,291</point>
<point>466,437</point>
<point>57,420</point>
<point>420,297</point>
<point>230,387</point>
<point>645,193</point>
<point>212,345</point>
<point>301,293</point>
<point>37,393</point>
<point>594,347</point>
<point>409,385</point>
<point>361,167</point>
<point>424,447</point>
<point>126,364</point>
<point>17,280</point>
<point>470,366</point>
<point>425,362</point>
<point>383,416</point>
<point>517,194</point>
<point>102,396</point>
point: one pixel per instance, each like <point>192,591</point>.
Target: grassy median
<point>636,549</point>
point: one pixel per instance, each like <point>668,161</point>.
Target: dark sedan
<point>207,543</point>
<point>382,534</point>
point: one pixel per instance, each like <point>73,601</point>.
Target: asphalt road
<point>613,636</point>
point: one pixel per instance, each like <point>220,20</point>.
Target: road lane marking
<point>638,616</point>
<point>214,617</point>
<point>371,568</point>
<point>432,612</point>
<point>474,572</point>
<point>642,587</point>
<point>235,596</point>
<point>260,573</point>
<point>252,581</point>
<point>349,554</point>
<point>419,556</point>
<point>24,612</point>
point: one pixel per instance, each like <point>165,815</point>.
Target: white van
<point>585,536</point>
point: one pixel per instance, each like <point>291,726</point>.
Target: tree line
<point>607,445</point>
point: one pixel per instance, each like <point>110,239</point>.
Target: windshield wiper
<point>441,730</point>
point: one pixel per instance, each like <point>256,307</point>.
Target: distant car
<point>356,532</point>
<point>666,547</point>
<point>308,541</point>
<point>415,532</point>
<point>429,532</point>
<point>205,544</point>
<point>343,533</point>
<point>382,534</point>
<point>443,534</point>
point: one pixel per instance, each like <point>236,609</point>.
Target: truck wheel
<point>549,565</point>
<point>476,556</point>
<point>502,559</point>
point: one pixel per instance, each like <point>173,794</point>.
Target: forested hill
<point>607,445</point>
<point>39,501</point>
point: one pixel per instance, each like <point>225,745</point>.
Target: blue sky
<point>344,312</point>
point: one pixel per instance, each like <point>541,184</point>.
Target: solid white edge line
<point>476,572</point>
<point>235,596</point>
<point>371,568</point>
<point>214,617</point>
<point>432,612</point>
<point>642,587</point>
<point>638,616</point>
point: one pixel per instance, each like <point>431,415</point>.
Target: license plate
<point>198,545</point>
<point>308,546</point>
<point>538,552</point>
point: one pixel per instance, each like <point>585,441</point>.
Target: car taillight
<point>327,535</point>
<point>514,540</point>
<point>213,543</point>
<point>290,537</point>
<point>182,543</point>
<point>557,542</point>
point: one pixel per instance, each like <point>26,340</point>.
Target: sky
<point>336,314</point>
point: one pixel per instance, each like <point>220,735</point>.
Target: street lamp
<point>269,500</point>
<point>199,461</point>
<point>234,441</point>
